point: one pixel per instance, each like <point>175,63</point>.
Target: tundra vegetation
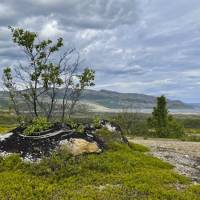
<point>120,172</point>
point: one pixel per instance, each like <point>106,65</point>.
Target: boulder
<point>77,146</point>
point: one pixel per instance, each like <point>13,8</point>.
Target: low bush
<point>38,124</point>
<point>192,138</point>
<point>190,121</point>
<point>132,123</point>
<point>174,129</point>
<point>193,131</point>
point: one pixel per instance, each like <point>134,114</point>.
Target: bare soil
<point>184,156</point>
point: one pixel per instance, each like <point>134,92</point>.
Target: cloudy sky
<point>143,46</point>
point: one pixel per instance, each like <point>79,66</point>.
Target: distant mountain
<point>114,100</point>
<point>111,99</point>
<point>195,105</point>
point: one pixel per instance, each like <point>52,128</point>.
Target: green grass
<point>7,119</point>
<point>6,128</point>
<point>192,130</point>
<point>7,122</point>
<point>191,138</point>
<point>118,173</point>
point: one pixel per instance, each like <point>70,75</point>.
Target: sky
<point>136,46</point>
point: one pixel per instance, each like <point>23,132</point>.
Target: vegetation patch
<point>5,129</point>
<point>121,172</point>
<point>193,138</point>
<point>37,125</point>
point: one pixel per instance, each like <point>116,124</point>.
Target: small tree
<point>36,82</point>
<point>163,123</point>
<point>159,116</point>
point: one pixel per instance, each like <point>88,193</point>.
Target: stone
<point>77,146</point>
<point>111,126</point>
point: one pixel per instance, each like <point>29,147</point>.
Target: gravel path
<point>185,156</point>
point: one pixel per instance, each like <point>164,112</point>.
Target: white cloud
<point>87,34</point>
<point>48,2</point>
<point>51,29</point>
<point>6,11</point>
<point>194,73</point>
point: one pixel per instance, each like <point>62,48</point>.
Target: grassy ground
<point>6,128</point>
<point>192,130</point>
<point>118,173</point>
<point>7,122</point>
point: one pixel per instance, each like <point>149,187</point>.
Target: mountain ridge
<point>115,100</point>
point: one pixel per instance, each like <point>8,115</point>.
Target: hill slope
<point>113,100</point>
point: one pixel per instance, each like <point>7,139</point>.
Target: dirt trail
<point>185,156</point>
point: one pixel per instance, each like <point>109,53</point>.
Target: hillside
<point>117,100</point>
<point>113,100</point>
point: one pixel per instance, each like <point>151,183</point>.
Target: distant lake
<point>174,111</point>
<point>149,110</point>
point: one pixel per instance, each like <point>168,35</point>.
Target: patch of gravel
<point>184,156</point>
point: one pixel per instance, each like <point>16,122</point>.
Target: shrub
<point>38,124</point>
<point>96,121</point>
<point>71,122</point>
<point>174,129</point>
<point>132,123</point>
<point>192,138</point>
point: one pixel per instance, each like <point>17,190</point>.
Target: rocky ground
<point>185,156</point>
